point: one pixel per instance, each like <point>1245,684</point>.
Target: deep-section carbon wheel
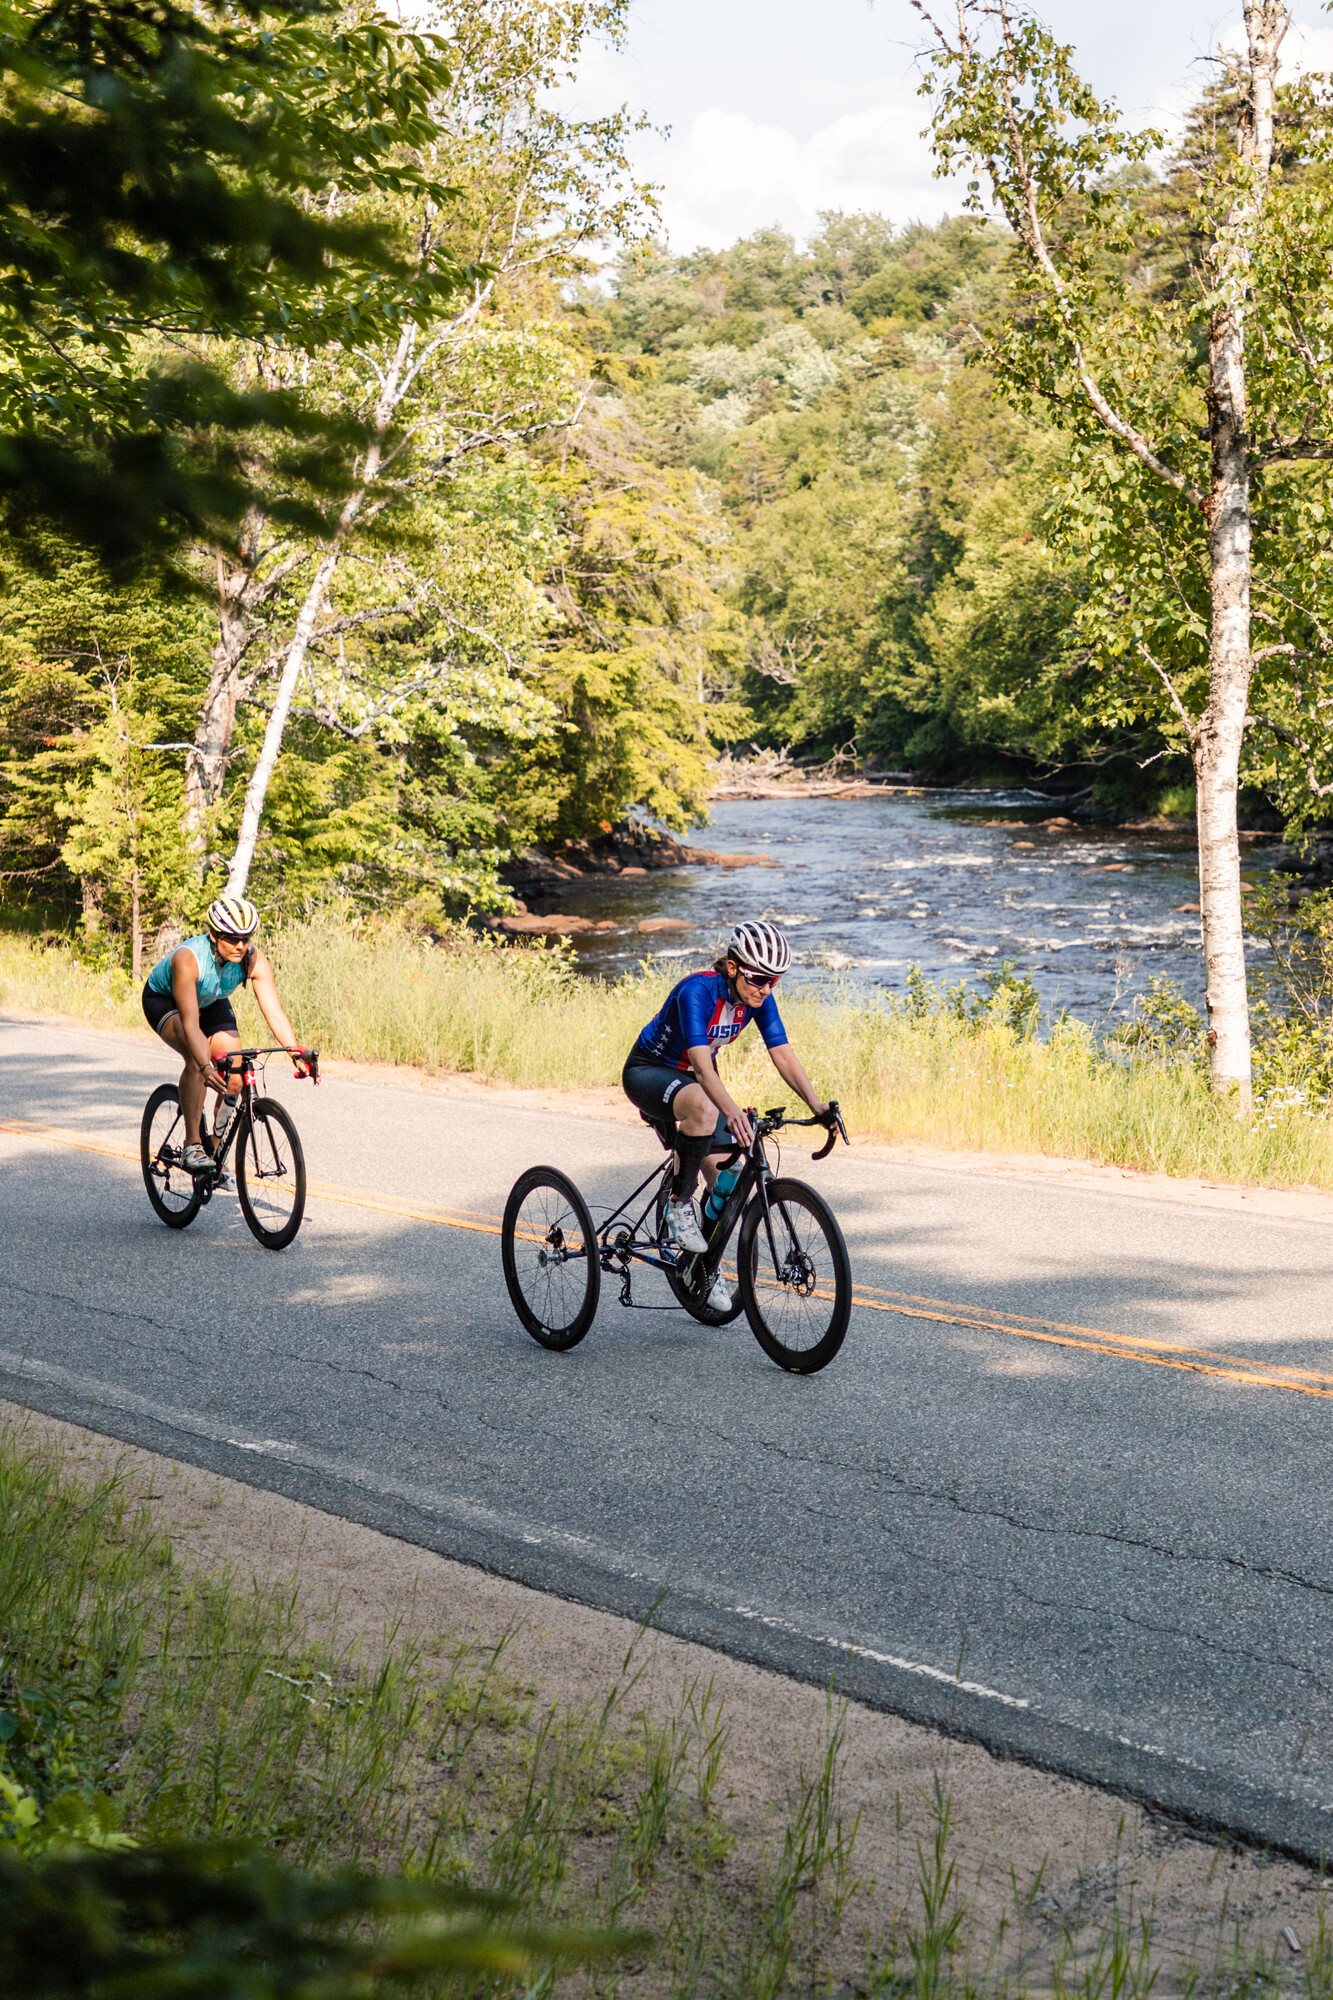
<point>798,1313</point>
<point>550,1258</point>
<point>173,1192</point>
<point>690,1285</point>
<point>270,1174</point>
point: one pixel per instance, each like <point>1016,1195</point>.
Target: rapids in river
<point>953,882</point>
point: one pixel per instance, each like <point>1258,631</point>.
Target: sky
<point>780,108</point>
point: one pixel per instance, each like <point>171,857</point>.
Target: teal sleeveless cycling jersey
<point>217,978</point>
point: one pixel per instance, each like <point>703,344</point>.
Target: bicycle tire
<point>771,1303</point>
<point>176,1210</point>
<point>259,1161</point>
<point>684,1283</point>
<point>553,1312</point>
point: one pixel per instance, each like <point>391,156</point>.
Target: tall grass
<point>176,1704</point>
<point>926,1074</point>
<point>191,1705</point>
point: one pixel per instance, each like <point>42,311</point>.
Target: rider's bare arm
<point>266,994</point>
<point>706,1076</point>
<point>185,992</point>
<point>792,1071</point>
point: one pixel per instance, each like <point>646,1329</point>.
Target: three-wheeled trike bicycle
<point>792,1277</point>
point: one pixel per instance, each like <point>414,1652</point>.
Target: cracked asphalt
<point>1112,1569</point>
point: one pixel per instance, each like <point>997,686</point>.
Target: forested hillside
<point>886,508</point>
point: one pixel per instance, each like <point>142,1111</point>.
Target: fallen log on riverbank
<point>814,788</point>
<point>537,875</point>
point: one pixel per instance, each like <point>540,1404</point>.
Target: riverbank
<point>596,1766</point>
<point>924,1072</point>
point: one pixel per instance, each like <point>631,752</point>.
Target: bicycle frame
<point>628,1247</point>
<point>245,1061</point>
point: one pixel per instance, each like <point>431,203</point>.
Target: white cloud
<point>729,174</point>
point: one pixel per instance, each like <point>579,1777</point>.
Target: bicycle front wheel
<point>689,1282</point>
<point>798,1309</point>
<point>550,1258</point>
<point>270,1174</point>
<point>173,1192</point>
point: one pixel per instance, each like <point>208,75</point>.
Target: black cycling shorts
<point>215,1019</point>
<point>653,1087</point>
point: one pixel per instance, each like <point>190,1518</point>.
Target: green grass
<point>175,1703</point>
<point>926,1076</point>
<point>159,1703</point>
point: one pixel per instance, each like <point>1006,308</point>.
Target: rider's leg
<point>221,1045</point>
<point>191,1085</point>
<point>696,1116</point>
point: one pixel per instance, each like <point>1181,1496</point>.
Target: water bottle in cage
<point>722,1186</point>
<point>226,1111</point>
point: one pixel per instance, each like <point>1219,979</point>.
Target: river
<point>868,887</point>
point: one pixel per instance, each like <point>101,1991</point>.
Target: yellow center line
<point>871,1298</point>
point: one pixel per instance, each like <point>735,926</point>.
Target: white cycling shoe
<point>720,1299</point>
<point>195,1160</point>
<point>682,1228</point>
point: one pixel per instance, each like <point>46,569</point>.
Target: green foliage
<point>888,510</point>
<point>1123,293</point>
<point>204,1919</point>
<point>642,652</point>
<point>166,172</point>
<point>91,674</point>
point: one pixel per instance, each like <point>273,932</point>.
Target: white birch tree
<point>533,192</point>
<point>1200,405</point>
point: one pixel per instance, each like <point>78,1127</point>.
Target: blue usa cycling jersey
<point>698,1013</point>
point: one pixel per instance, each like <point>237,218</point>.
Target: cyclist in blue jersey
<point>671,1072</point>
<point>187,1001</point>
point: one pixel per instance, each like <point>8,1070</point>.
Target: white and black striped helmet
<point>759,948</point>
<point>233,917</point>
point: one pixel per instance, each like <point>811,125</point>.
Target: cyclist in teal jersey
<point>187,1001</point>
<point>671,1072</point>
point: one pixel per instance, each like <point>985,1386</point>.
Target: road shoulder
<point>1075,1858</point>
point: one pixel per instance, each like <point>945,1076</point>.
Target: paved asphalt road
<point>1097,1538</point>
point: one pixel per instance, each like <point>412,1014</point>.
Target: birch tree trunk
<point>1220,732</point>
<point>256,792</point>
<point>261,777</point>
<point>206,762</point>
<point>1221,729</point>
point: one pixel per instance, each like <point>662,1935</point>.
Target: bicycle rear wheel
<point>689,1282</point>
<point>270,1174</point>
<point>799,1312</point>
<point>549,1250</point>
<point>173,1192</point>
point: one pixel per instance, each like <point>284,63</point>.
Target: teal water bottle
<point>722,1187</point>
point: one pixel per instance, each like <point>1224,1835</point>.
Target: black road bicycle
<point>270,1166</point>
<point>793,1275</point>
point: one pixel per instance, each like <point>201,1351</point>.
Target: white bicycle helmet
<point>233,917</point>
<point>759,948</point>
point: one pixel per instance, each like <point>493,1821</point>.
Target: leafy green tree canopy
<point>169,172</point>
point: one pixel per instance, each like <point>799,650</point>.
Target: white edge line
<point>884,1659</point>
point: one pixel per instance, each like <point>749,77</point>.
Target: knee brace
<point>691,1154</point>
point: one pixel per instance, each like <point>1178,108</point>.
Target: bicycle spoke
<point>272,1182</point>
<point>172,1186</point>
<point>550,1257</point>
<point>549,1252</point>
<point>798,1300</point>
